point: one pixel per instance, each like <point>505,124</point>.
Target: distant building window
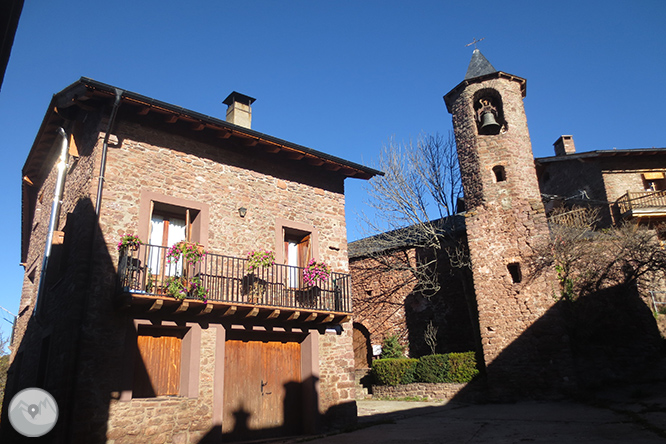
<point>500,173</point>
<point>654,181</point>
<point>514,271</point>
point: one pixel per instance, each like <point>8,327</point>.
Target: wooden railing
<point>147,270</point>
<point>641,200</point>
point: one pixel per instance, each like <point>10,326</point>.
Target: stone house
<point>623,184</point>
<point>137,346</point>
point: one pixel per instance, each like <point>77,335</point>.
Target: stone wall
<point>430,392</point>
<point>386,302</point>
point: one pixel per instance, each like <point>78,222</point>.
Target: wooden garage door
<point>262,388</point>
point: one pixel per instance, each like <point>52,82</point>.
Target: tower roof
<point>478,66</point>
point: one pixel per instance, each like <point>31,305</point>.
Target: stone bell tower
<point>525,346</point>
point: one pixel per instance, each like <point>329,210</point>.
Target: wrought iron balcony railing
<point>147,270</point>
<point>644,203</point>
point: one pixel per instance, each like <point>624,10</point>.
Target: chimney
<point>564,145</point>
<point>239,111</point>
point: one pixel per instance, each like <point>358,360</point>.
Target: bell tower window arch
<point>489,112</point>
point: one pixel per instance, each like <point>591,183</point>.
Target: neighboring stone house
<point>136,347</point>
<point>623,184</point>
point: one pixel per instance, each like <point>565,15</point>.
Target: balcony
<point>642,204</point>
<point>232,290</point>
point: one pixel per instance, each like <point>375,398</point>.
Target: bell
<point>488,124</point>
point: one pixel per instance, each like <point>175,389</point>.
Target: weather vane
<point>475,42</point>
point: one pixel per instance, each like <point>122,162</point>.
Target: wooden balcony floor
<point>140,304</point>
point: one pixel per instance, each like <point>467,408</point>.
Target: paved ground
<point>633,415</point>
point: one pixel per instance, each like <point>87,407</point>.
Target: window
<point>654,181</point>
<point>295,244</point>
<point>514,271</point>
<point>297,253</point>
<point>169,224</point>
<point>500,173</point>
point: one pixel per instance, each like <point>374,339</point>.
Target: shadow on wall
<point>613,338</point>
<point>58,349</point>
<point>298,416</point>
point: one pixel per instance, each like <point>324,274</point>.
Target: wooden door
<point>157,371</point>
<point>262,388</point>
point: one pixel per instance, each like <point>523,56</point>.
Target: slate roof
<point>478,66</point>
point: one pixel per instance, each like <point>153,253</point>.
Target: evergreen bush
<point>391,348</point>
<point>394,371</point>
<point>462,367</point>
<point>432,368</point>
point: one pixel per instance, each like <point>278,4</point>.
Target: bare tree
<point>412,203</point>
<point>430,336</point>
<point>587,260</point>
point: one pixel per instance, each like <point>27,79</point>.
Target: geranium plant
<point>192,253</point>
<point>180,287</point>
<point>260,259</point>
<point>176,286</point>
<point>316,271</point>
<point>129,240</point>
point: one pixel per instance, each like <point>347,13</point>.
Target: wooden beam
<point>253,313</point>
<point>315,161</point>
<point>184,305</point>
<point>172,119</point>
<point>327,319</point>
<point>294,316</point>
<point>251,142</point>
<point>274,314</point>
<point>272,149</point>
<point>230,311</point>
<point>156,305</point>
<point>207,309</point>
<point>294,155</point>
<point>345,319</point>
<point>311,318</point>
<point>224,134</point>
<point>143,111</point>
<point>197,126</point>
<point>332,167</point>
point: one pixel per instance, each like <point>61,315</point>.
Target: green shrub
<point>391,348</point>
<point>432,368</point>
<point>462,367</point>
<point>394,371</point>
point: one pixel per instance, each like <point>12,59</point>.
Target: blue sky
<point>341,76</point>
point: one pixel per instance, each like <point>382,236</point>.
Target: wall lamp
<point>242,211</point>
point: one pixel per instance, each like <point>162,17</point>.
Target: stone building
<point>623,184</point>
<point>138,345</point>
<point>522,336</point>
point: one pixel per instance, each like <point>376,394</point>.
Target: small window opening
<point>500,173</point>
<point>514,271</point>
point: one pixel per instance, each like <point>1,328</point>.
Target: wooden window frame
<point>199,227</point>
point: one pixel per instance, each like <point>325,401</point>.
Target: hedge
<point>394,371</point>
<point>451,367</point>
<point>432,368</point>
<point>462,367</point>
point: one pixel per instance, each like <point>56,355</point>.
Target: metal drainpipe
<point>55,209</point>
<point>105,148</point>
